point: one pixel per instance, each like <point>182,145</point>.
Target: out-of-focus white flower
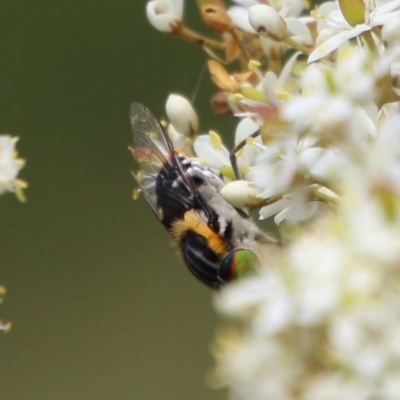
<point>382,167</point>
<point>336,100</point>
<point>289,172</point>
<point>326,303</point>
<point>240,16</point>
<point>267,289</point>
<point>165,15</point>
<point>4,326</point>
<point>10,166</point>
<point>181,115</point>
<point>376,14</point>
<point>390,32</point>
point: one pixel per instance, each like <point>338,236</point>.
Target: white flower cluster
<point>321,322</point>
<point>10,166</point>
<point>318,101</point>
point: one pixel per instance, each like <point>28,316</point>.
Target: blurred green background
<point>101,306</point>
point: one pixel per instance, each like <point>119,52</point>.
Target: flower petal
<point>205,150</point>
<point>336,41</point>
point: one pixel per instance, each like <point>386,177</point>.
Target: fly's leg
<point>237,148</point>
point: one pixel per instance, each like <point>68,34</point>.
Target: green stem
<point>297,46</point>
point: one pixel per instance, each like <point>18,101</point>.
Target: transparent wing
<point>147,128</point>
<point>151,150</point>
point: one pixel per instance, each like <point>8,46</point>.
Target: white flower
<point>165,15</point>
<point>239,13</point>
<point>284,170</point>
<point>240,16</point>
<point>336,100</point>
<point>10,166</point>
<point>218,158</point>
<point>378,14</point>
<point>390,32</point>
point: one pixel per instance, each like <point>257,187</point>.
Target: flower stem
<point>297,46</point>
<point>185,33</point>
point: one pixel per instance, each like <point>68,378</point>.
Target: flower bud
<point>241,194</point>
<point>181,115</point>
<point>220,104</point>
<point>267,22</point>
<point>165,15</point>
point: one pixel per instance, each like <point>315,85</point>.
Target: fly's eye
<point>236,264</point>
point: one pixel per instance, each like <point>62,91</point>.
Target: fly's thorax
<point>202,175</point>
<point>241,231</point>
<point>173,198</point>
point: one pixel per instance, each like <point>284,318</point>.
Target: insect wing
<point>145,124</point>
<point>151,151</point>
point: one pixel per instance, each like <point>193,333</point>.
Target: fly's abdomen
<point>202,248</point>
<point>201,260</point>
